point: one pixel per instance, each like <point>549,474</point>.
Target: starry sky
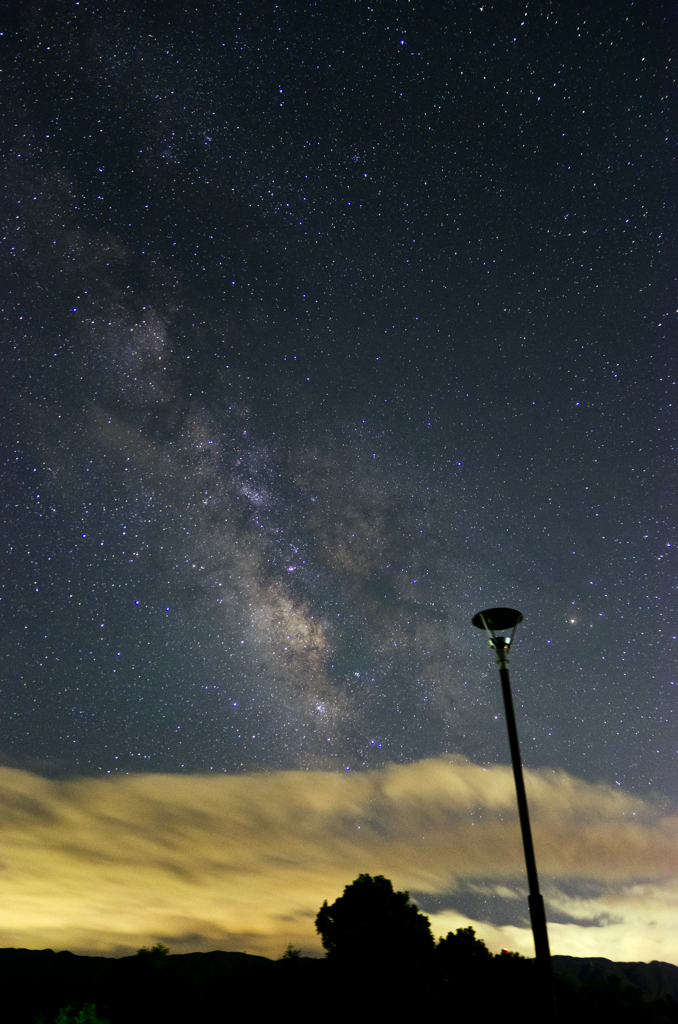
<point>326,325</point>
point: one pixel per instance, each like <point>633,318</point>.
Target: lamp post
<point>506,620</point>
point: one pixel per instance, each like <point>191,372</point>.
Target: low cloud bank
<point>244,862</point>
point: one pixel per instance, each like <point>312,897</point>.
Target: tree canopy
<point>371,921</point>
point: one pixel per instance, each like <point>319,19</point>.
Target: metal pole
<point>535,900</point>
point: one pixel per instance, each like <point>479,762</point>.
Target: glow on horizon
<point>243,862</point>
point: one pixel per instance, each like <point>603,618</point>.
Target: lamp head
<point>504,620</point>
<point>497,619</point>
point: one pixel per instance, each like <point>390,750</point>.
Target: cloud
<point>244,861</point>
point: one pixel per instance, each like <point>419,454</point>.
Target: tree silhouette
<point>461,951</point>
<point>373,924</point>
<point>291,953</point>
<point>153,956</point>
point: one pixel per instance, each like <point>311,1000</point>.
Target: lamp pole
<point>507,619</point>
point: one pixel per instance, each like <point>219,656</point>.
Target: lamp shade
<point>497,619</point>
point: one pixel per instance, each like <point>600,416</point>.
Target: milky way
<point>325,329</point>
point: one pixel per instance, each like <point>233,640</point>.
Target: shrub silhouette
<point>72,1015</point>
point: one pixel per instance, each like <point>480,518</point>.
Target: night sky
<point>326,325</point>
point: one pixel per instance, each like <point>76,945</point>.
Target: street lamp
<point>505,621</point>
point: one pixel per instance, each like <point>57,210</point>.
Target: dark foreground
<point>37,984</point>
